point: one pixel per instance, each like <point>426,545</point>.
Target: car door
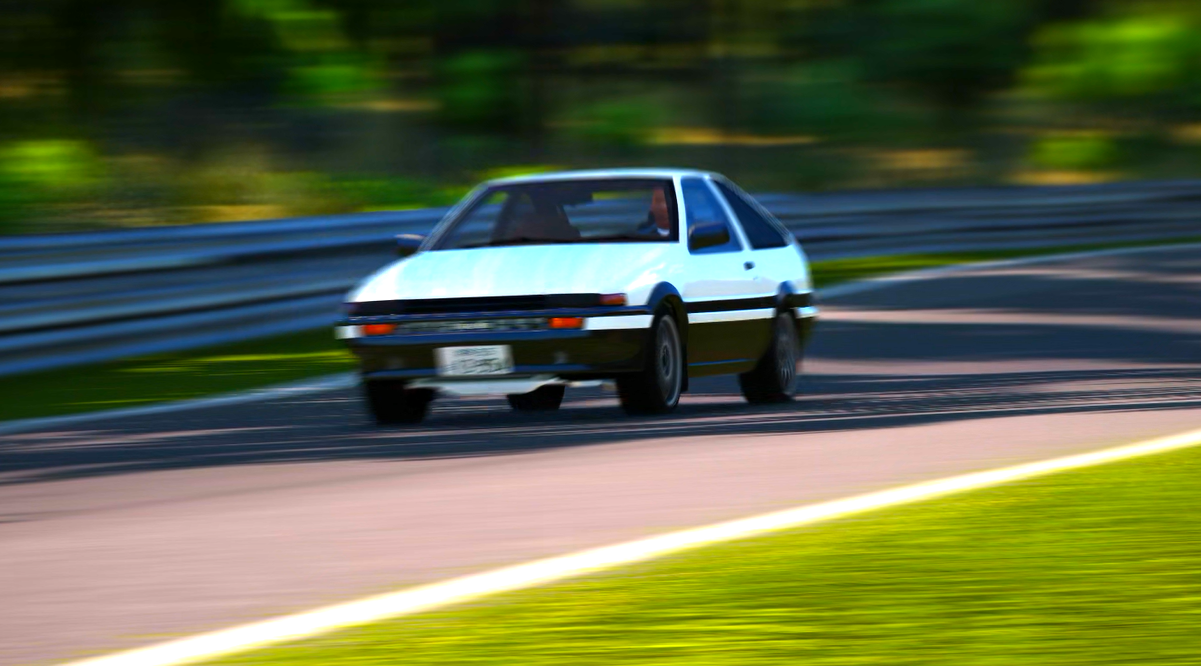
<point>725,302</point>
<point>771,248</point>
<point>775,262</point>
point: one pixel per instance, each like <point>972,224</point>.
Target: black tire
<point>656,389</point>
<point>390,402</point>
<point>542,399</point>
<point>774,378</point>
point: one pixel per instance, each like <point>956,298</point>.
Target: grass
<point>1099,566</point>
<point>286,358</point>
<point>174,376</point>
<point>833,271</point>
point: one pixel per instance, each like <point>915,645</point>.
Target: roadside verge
<point>588,613</point>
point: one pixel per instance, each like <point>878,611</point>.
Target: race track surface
<point>119,534</point>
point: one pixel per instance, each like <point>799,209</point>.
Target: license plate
<point>464,361</point>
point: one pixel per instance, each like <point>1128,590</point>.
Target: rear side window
<point>760,231</point>
<point>702,207</point>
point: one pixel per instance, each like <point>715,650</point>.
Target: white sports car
<point>643,277</point>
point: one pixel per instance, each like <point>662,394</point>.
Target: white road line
<point>458,590</point>
<point>332,382</point>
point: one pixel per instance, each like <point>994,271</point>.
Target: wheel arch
<point>666,295</point>
<point>788,299</point>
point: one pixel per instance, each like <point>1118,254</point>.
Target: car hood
<point>514,271</point>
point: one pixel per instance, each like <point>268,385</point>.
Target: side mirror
<point>408,244</point>
<point>707,234</point>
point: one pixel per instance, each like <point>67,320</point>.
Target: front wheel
<point>774,379</point>
<point>390,402</point>
<point>656,389</point>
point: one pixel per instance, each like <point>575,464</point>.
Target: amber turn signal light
<point>613,299</point>
<point>379,329</point>
<point>567,322</point>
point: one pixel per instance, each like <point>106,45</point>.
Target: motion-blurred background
<point>135,112</point>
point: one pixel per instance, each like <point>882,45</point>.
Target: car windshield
<point>610,210</point>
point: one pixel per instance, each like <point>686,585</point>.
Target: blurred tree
<point>45,173</point>
<point>494,58</point>
<point>1079,151</point>
<point>482,90</point>
<point>223,47</point>
<point>479,66</point>
<point>953,52</point>
<point>304,85</point>
<point>1147,60</point>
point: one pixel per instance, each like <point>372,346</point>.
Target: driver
<point>658,219</point>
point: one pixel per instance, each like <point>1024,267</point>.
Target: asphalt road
<point>114,535</point>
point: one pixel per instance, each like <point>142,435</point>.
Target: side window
<point>702,207</point>
<point>760,231</point>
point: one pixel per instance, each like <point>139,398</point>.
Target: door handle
<point>748,265</point>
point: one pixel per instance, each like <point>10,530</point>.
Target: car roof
<point>601,174</point>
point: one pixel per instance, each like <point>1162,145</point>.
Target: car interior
<point>564,213</point>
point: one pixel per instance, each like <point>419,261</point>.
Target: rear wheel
<point>389,401</point>
<point>656,389</point>
<point>774,378</point>
<point>542,399</point>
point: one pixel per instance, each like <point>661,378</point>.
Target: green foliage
<point>333,77</point>
<point>174,376</point>
<point>620,124</point>
<point>825,99</point>
<point>221,48</point>
<point>244,183</point>
<point>330,90</point>
<point>1075,152</point>
<point>322,65</point>
<point>51,164</point>
<point>35,174</point>
<point>482,91</point>
<point>12,205</point>
<point>952,51</point>
<point>395,193</point>
<point>1130,57</point>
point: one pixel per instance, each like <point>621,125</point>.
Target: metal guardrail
<point>68,299</point>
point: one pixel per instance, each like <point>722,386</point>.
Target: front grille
<point>468,305</point>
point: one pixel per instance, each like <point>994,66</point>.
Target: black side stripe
<point>798,300</point>
<point>757,303</point>
<point>731,305</point>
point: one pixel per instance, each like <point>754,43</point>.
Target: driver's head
<point>659,209</point>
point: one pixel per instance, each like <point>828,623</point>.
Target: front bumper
<point>612,342</point>
<point>569,355</point>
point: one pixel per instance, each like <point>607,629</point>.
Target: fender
<point>788,298</point>
<point>661,292</point>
